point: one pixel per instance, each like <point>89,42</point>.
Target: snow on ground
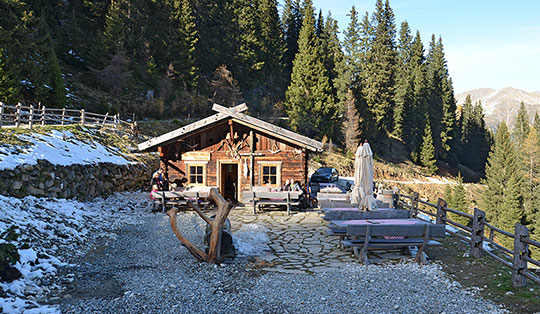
<point>251,240</point>
<point>59,148</point>
<point>55,229</point>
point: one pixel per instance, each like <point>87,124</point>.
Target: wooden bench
<point>284,198</point>
<point>390,235</point>
<point>178,198</point>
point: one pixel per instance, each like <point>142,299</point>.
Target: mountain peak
<point>502,104</point>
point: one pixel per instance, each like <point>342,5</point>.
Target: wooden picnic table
<point>387,233</point>
<point>347,213</point>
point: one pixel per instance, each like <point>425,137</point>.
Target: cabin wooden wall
<point>293,158</point>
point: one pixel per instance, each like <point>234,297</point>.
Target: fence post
<point>1,113</point>
<point>520,248</point>
<point>116,120</point>
<point>63,115</point>
<point>414,204</point>
<point>43,115</point>
<point>441,212</point>
<point>31,117</point>
<point>18,115</point>
<point>82,117</point>
<point>477,234</point>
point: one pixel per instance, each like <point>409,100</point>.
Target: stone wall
<point>74,181</point>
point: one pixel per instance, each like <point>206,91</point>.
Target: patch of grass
<point>491,279</point>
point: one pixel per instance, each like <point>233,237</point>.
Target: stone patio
<point>299,243</point>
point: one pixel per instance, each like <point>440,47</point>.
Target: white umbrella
<point>355,197</point>
<point>366,177</point>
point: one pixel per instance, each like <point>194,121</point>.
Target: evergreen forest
<point>373,80</point>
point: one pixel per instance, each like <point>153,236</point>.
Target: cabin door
<point>229,184</point>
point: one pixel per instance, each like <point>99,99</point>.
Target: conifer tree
<point>521,127</point>
<point>536,122</point>
<point>502,199</point>
<point>248,59</point>
<point>9,89</point>
<point>351,132</point>
<point>309,101</point>
<point>413,125</point>
<point>331,49</point>
<point>349,67</point>
<point>380,72</point>
<point>459,202</point>
<point>292,22</point>
<point>404,87</point>
<point>530,156</point>
<point>272,46</point>
<point>427,151</point>
<point>186,61</point>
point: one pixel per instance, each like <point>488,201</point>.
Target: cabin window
<point>270,174</point>
<point>196,174</point>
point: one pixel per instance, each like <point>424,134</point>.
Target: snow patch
<point>251,240</point>
<point>59,148</point>
<point>56,229</point>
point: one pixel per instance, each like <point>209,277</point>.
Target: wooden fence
<point>475,233</point>
<point>30,116</point>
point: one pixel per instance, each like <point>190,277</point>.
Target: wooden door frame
<point>239,176</point>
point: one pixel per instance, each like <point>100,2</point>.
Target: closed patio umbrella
<point>366,177</point>
<point>355,197</point>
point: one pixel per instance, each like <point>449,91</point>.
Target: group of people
<point>160,183</point>
<point>291,185</point>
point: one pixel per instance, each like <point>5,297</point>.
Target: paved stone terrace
<point>299,243</point>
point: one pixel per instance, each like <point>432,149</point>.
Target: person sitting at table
<point>286,186</point>
<point>295,185</point>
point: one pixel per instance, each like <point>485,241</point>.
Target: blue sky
<point>487,43</point>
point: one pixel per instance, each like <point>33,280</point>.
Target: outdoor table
<point>348,213</point>
<point>388,227</point>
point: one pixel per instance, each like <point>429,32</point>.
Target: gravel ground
<point>145,270</point>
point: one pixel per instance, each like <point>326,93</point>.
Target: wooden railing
<point>475,233</point>
<point>30,116</point>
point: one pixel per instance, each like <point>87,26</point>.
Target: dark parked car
<point>325,175</point>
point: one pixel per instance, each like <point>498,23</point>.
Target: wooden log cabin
<point>233,152</point>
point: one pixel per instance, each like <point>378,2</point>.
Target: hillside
<point>502,104</point>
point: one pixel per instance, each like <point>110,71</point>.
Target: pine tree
<point>9,89</point>
<point>272,47</point>
<point>536,122</point>
<point>459,202</point>
<point>292,22</point>
<point>331,49</point>
<point>114,33</point>
<point>448,195</point>
<point>404,86</point>
<point>475,140</point>
<point>189,37</point>
<point>521,127</point>
<point>351,132</point>
<point>427,151</point>
<point>380,72</point>
<point>441,113</point>
<point>502,198</point>
<point>415,120</point>
<point>349,67</point>
<point>530,157</point>
<point>309,101</point>
<point>248,59</point>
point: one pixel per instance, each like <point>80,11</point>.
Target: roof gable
<point>237,116</point>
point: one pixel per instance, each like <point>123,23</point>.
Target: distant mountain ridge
<point>502,104</point>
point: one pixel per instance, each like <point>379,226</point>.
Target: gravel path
<point>145,270</point>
